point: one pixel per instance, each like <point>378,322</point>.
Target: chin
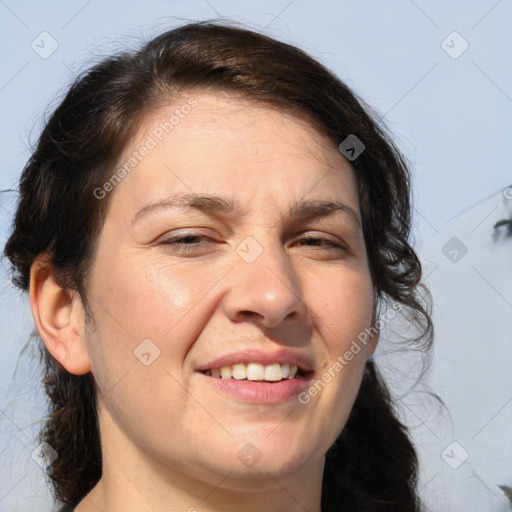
<point>258,457</point>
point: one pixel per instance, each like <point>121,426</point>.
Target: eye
<point>331,244</point>
<point>187,243</point>
<point>180,242</point>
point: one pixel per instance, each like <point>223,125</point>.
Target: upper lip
<point>251,355</point>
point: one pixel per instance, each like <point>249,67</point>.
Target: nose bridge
<point>264,281</point>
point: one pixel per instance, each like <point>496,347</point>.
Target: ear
<point>58,315</point>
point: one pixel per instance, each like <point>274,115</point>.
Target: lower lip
<point>260,392</point>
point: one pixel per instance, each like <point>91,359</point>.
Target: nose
<point>267,290</point>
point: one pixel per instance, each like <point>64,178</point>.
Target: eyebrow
<point>214,204</point>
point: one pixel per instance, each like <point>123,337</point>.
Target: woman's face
<point>242,285</point>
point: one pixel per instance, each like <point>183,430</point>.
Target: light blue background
<point>451,117</point>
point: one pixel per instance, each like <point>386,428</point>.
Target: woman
<point>209,231</point>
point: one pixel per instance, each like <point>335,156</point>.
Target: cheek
<point>149,300</point>
<point>344,307</point>
<point>173,301</point>
<point>345,311</point>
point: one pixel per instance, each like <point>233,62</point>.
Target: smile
<point>256,372</point>
<point>259,383</point>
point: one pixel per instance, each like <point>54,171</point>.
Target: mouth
<point>257,376</point>
<point>257,372</point>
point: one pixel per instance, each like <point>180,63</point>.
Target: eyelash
<point>177,241</point>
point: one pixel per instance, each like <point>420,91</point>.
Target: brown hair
<point>373,464</point>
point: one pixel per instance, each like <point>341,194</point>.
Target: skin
<point>169,440</point>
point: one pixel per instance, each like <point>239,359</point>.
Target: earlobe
<point>58,316</point>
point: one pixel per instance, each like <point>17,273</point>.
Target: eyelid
<point>308,233</point>
<point>184,232</point>
<point>334,243</point>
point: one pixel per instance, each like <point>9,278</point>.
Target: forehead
<point>209,142</point>
<point>228,117</point>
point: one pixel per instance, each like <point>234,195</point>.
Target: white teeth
<point>273,372</point>
<point>255,371</point>
<point>225,372</point>
<point>239,371</point>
